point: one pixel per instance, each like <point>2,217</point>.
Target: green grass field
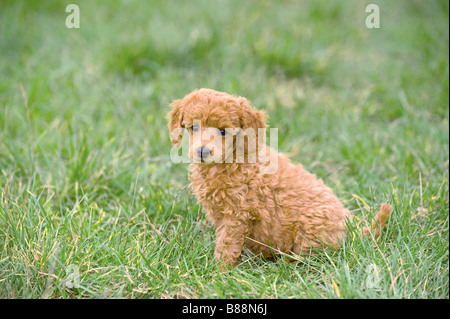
<point>92,206</point>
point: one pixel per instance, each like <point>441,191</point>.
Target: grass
<point>92,207</point>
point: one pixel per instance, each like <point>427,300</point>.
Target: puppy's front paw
<point>227,261</point>
<point>228,265</point>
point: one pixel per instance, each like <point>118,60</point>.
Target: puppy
<point>283,210</point>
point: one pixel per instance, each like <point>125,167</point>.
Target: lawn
<point>92,207</point>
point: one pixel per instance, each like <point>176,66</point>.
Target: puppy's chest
<point>216,195</point>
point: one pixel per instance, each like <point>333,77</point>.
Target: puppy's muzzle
<point>203,152</point>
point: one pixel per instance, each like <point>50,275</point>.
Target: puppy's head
<point>214,121</point>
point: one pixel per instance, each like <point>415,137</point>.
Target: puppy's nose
<point>203,152</point>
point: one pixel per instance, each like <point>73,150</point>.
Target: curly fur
<point>290,211</point>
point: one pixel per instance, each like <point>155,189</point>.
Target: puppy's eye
<point>222,132</point>
<point>194,128</point>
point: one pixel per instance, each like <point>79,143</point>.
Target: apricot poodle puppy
<point>269,211</point>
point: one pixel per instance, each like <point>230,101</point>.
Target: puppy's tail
<point>379,221</point>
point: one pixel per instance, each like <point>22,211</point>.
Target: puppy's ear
<point>176,118</point>
<point>251,118</point>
